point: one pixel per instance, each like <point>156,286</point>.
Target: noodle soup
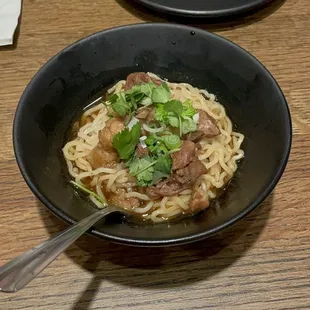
<point>156,148</point>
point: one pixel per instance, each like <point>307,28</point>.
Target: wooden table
<point>260,263</point>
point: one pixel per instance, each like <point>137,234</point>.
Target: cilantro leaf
<point>88,191</point>
<point>188,110</point>
<point>160,150</point>
<point>163,164</point>
<point>125,142</point>
<point>120,104</point>
<point>188,125</point>
<point>162,168</point>
<point>145,88</point>
<point>158,175</point>
<point>174,106</point>
<point>142,168</point>
<point>176,114</point>
<point>169,113</point>
<point>161,113</point>
<point>173,120</point>
<point>161,94</point>
<point>112,98</point>
<point>165,86</point>
<point>146,101</point>
<point>148,171</point>
<point>133,102</point>
<point>164,113</point>
<point>127,102</point>
<point>156,145</point>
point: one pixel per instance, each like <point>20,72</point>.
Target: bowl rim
<point>159,242</point>
<point>210,14</point>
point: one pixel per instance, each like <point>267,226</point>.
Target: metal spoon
<point>18,272</point>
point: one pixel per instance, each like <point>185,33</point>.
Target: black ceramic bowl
<point>58,92</point>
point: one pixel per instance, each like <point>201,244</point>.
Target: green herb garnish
<point>188,125</point>
<point>127,102</point>
<point>161,94</point>
<point>178,115</point>
<point>88,191</point>
<point>162,168</point>
<point>120,105</point>
<point>142,169</point>
<point>125,142</point>
<point>188,109</point>
<point>171,141</point>
<point>157,165</point>
<point>175,107</point>
<point>149,169</point>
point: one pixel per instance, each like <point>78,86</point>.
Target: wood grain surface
<point>260,263</point>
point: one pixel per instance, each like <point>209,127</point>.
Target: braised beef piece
<point>138,78</point>
<point>186,170</point>
<point>198,146</point>
<point>190,173</point>
<point>120,200</point>
<point>194,136</point>
<point>207,124</point>
<point>206,127</point>
<point>177,182</point>
<point>106,135</point>
<point>183,157</point>
<point>146,114</point>
<point>168,187</point>
<point>100,157</point>
<point>142,151</point>
<point>142,114</point>
<point>104,154</point>
<point>199,200</point>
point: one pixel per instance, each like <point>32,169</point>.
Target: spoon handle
<point>18,272</point>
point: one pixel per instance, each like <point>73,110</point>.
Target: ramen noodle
<point>113,182</point>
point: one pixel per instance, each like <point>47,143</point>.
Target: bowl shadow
<point>159,268</point>
<point>212,24</point>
